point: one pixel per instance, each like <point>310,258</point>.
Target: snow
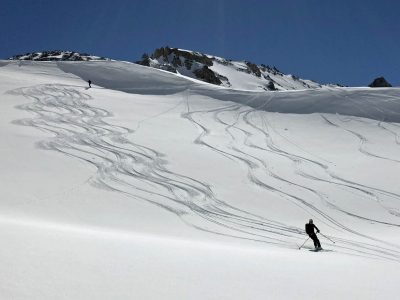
<point>153,185</point>
<point>240,79</point>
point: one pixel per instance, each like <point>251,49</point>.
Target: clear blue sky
<point>349,42</point>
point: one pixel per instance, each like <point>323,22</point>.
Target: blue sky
<point>349,42</point>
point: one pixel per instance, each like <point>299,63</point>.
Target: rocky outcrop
<point>271,86</point>
<point>145,60</point>
<point>207,75</point>
<point>221,71</point>
<point>57,55</point>
<point>253,69</point>
<point>380,82</point>
<point>165,53</point>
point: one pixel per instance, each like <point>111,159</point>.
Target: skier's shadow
<point>88,87</point>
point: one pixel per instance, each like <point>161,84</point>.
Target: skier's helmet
<point>310,221</point>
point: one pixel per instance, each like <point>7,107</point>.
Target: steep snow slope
<point>159,186</point>
<point>380,103</point>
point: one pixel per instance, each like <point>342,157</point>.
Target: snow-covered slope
<point>242,75</point>
<point>153,185</point>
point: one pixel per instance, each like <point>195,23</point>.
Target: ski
<point>320,250</point>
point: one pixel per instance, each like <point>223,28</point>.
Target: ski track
<point>81,131</point>
<point>362,139</point>
<point>255,163</point>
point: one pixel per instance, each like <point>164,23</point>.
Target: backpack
<point>309,228</point>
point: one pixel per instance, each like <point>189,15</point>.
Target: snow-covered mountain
<point>219,71</point>
<point>57,55</point>
<point>243,75</point>
<point>155,185</point>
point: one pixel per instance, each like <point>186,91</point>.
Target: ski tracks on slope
<point>240,135</point>
<point>376,193</point>
<point>81,131</point>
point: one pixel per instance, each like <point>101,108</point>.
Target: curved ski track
<point>242,120</point>
<point>81,131</point>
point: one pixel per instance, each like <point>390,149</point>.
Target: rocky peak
<point>225,72</point>
<point>380,82</point>
<point>56,55</point>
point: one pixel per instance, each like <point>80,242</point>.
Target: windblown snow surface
<point>150,185</point>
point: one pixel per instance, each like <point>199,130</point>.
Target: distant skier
<point>310,231</point>
<point>90,83</point>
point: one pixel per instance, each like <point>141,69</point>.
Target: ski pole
<point>326,237</point>
<point>304,242</point>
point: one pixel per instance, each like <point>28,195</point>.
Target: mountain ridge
<point>225,72</point>
<point>243,75</point>
<point>57,55</point>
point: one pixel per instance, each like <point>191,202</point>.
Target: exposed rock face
<point>57,55</point>
<point>207,75</point>
<point>224,72</point>
<point>145,60</point>
<point>380,82</point>
<point>271,86</point>
<point>253,69</point>
<point>165,52</point>
<point>174,59</point>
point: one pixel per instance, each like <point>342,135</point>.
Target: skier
<point>310,231</point>
<point>90,83</point>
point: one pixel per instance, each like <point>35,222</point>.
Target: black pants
<point>315,240</point>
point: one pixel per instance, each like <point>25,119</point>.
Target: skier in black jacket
<point>310,231</point>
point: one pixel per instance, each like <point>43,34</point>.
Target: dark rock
<point>253,68</point>
<point>226,62</point>
<point>207,75</point>
<point>176,61</point>
<point>188,64</point>
<point>167,67</point>
<point>271,86</point>
<point>224,79</point>
<point>144,62</point>
<point>380,82</point>
<point>194,56</point>
<point>56,55</point>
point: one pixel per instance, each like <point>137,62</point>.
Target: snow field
<point>150,185</point>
